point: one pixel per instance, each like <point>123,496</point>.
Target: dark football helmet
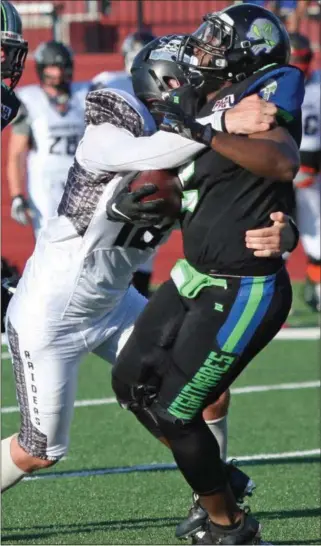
<point>156,64</point>
<point>14,48</point>
<point>54,53</point>
<point>301,51</point>
<point>234,43</point>
<point>132,44</point>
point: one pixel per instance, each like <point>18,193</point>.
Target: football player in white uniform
<point>45,134</point>
<point>74,296</point>
<point>308,180</point>
<point>132,44</point>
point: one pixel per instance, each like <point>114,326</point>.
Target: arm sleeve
<point>286,91</point>
<point>21,124</point>
<point>108,148</point>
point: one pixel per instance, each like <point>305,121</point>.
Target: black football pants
<point>184,353</point>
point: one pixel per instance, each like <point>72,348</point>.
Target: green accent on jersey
<point>253,303</point>
<point>186,172</point>
<point>190,200</point>
<point>190,399</point>
<point>283,114</point>
<point>189,282</point>
<point>218,307</point>
<point>176,100</point>
<point>265,67</point>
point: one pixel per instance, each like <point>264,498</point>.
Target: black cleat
<point>248,532</point>
<point>241,486</point>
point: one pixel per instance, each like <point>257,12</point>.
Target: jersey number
<point>140,238</point>
<point>68,147</point>
<point>311,125</point>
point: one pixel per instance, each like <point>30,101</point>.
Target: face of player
<point>54,77</point>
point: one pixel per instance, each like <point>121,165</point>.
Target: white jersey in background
<point>311,118</point>
<point>308,198</point>
<point>53,140</point>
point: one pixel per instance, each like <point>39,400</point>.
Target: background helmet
<point>155,65</point>
<point>14,48</point>
<point>301,51</point>
<point>133,44</point>
<point>54,53</point>
<point>236,42</point>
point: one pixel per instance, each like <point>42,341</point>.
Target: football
<point>169,189</point>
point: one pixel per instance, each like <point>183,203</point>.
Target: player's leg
<point>142,277</point>
<point>256,314</point>
<point>178,409</point>
<point>308,215</point>
<point>45,362</point>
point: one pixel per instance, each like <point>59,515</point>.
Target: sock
<point>10,473</point>
<point>218,428</point>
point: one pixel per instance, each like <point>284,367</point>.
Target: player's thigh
<point>145,353</point>
<point>121,325</point>
<point>220,335</point>
<point>45,362</point>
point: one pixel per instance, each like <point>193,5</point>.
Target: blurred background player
<point>44,136</point>
<point>308,180</point>
<point>14,50</point>
<point>132,44</point>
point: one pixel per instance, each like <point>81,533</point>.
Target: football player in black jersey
<point>14,51</point>
<point>222,305</point>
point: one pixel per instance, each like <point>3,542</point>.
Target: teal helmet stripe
<point>10,18</point>
<point>4,20</point>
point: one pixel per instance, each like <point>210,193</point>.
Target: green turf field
<point>144,507</point>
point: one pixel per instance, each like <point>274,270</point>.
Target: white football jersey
<point>311,118</point>
<point>55,136</point>
<point>83,263</point>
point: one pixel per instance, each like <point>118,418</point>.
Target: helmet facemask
<point>14,51</point>
<point>210,45</point>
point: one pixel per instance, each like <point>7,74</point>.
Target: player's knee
<point>171,426</point>
<point>219,408</point>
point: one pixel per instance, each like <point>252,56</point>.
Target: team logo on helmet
<point>266,32</point>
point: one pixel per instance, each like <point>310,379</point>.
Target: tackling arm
<point>108,148</point>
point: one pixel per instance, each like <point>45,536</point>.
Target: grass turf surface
<point>144,508</point>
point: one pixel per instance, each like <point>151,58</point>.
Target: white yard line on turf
<point>246,459</point>
<point>237,390</point>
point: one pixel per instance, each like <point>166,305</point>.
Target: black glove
<point>20,210</point>
<point>171,118</point>
<point>127,207</point>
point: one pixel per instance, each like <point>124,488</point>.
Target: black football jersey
<point>222,200</point>
<point>9,105</point>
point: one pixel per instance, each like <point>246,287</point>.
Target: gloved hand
<point>127,207</point>
<point>20,210</point>
<point>172,119</point>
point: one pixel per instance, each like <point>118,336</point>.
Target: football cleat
<point>248,532</point>
<point>241,486</point>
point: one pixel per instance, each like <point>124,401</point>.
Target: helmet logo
<point>264,36</point>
